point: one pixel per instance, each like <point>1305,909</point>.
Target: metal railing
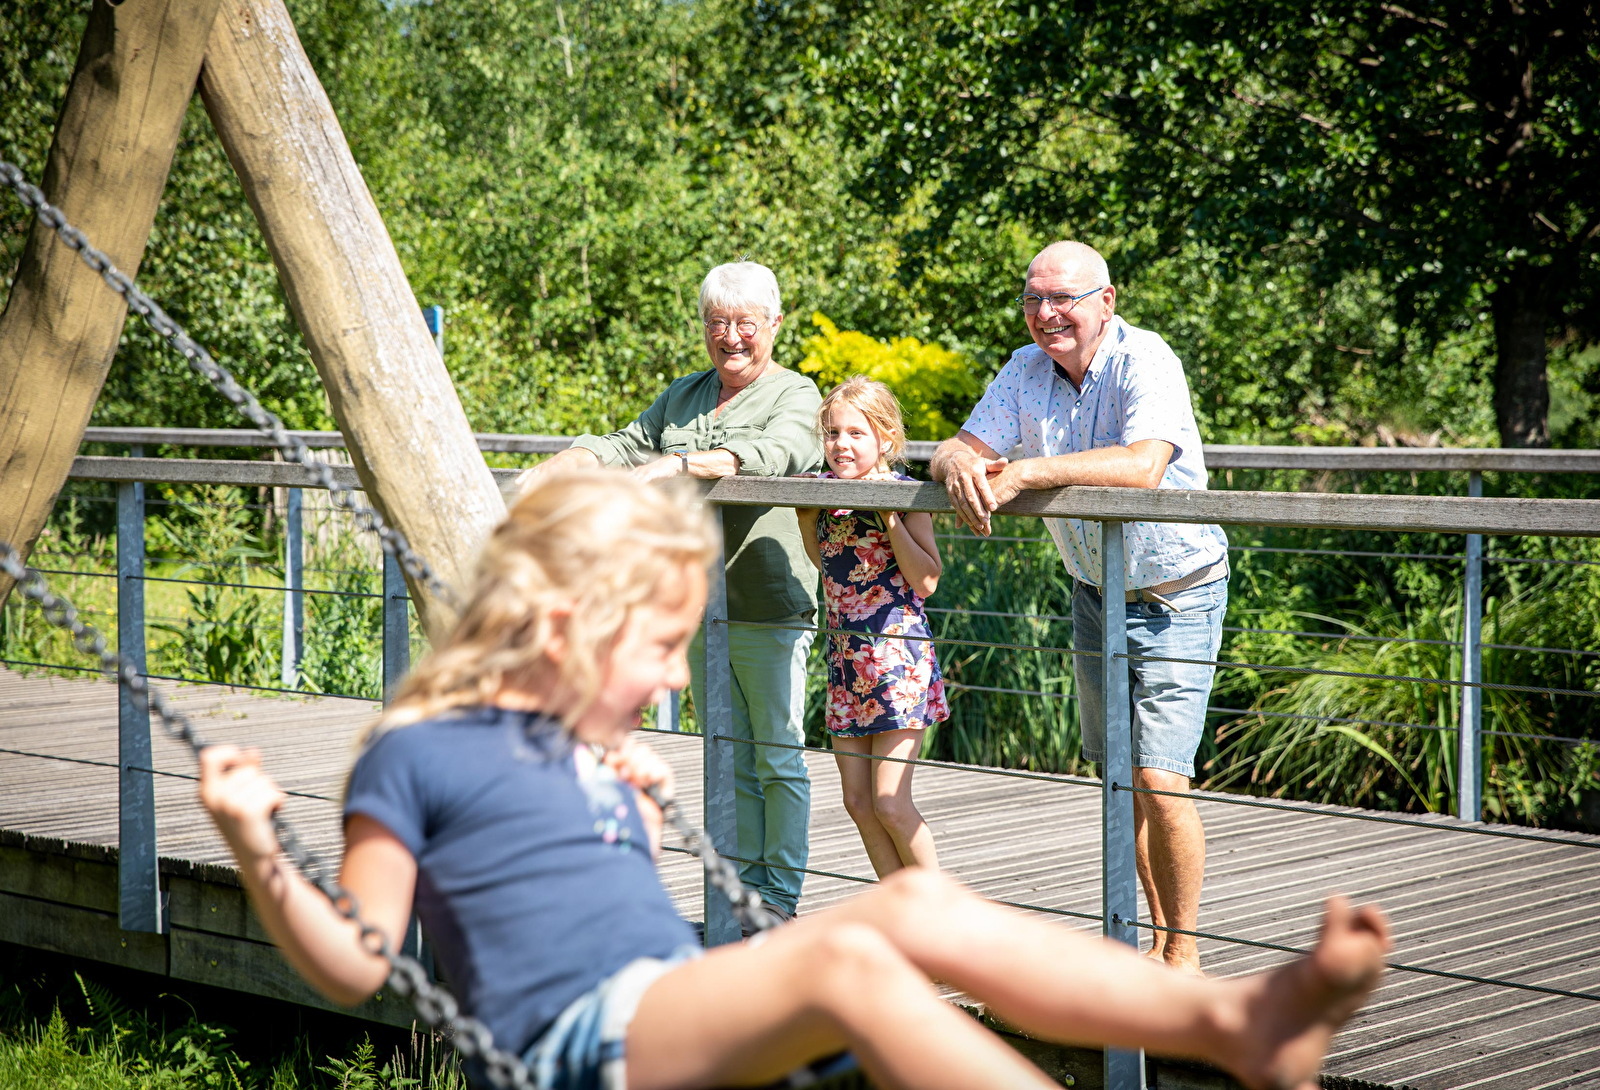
<point>1110,507</point>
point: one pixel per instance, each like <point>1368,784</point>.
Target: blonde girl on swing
<point>501,796</point>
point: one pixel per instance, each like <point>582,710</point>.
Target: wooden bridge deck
<point>1485,906</point>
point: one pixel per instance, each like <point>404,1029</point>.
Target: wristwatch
<point>683,458</point>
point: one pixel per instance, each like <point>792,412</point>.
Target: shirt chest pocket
<point>1105,430</point>
<point>675,438</point>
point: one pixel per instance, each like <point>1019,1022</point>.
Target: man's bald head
<point>1079,263</point>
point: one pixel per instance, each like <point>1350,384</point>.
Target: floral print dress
<point>875,682</point>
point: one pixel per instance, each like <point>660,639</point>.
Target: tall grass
<point>61,1028</point>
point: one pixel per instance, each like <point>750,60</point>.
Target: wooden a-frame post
<point>107,166</point>
<point>404,425</point>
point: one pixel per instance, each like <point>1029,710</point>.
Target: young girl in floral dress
<point>877,569</point>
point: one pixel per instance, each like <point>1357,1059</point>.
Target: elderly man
<point>1096,401</point>
<point>745,415</point>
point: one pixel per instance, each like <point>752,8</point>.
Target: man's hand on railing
<point>977,484</point>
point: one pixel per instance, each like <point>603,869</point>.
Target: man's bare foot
<point>1290,1014</point>
<point>1188,964</point>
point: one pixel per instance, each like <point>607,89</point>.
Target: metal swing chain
<point>436,1006</point>
<point>292,447</point>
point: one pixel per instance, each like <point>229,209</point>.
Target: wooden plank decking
<point>1489,907</point>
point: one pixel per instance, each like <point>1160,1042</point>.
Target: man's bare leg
<point>1141,855</point>
<point>1173,864</point>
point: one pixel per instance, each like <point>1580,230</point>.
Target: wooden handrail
<point>1404,459</point>
<point>1341,511</point>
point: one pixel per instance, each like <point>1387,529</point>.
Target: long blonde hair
<point>596,543</point>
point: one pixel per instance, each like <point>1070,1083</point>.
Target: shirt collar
<point>1115,331</point>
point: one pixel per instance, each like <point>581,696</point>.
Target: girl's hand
<point>638,764</point>
<point>241,799</point>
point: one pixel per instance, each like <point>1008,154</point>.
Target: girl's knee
<point>850,964</point>
<point>897,813</point>
<point>860,806</point>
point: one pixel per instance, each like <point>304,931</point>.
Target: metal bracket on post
<point>1469,736</point>
<point>396,628</point>
<point>138,864</point>
<point>294,599</point>
<point>716,719</point>
<point>1119,876</point>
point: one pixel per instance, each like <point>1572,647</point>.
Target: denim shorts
<point>1168,699</point>
<point>585,1047</point>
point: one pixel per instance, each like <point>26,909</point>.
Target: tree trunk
<point>1521,388</point>
<point>406,431</point>
<point>108,164</point>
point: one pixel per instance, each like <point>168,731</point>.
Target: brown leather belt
<point>1198,578</point>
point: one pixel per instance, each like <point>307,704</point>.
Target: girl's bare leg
<point>750,1014</point>
<point>1053,982</point>
<point>913,840</point>
<point>857,775</point>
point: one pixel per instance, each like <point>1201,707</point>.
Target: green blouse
<point>770,426</point>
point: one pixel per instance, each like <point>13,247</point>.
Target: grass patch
<point>70,1025</point>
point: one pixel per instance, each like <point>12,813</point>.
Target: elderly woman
<point>745,415</point>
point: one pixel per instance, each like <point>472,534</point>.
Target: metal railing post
<point>668,711</point>
<point>1119,904</point>
<point>1469,736</point>
<point>396,627</point>
<point>716,722</point>
<point>294,600</point>
<point>138,864</point>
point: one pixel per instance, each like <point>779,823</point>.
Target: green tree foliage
<point>935,386</point>
<point>1450,149</point>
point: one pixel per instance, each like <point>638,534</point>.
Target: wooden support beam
<point>406,430</point>
<point>113,146</point>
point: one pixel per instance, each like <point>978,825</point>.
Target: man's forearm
<point>1111,467</point>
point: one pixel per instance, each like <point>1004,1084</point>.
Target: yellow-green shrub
<point>936,386</point>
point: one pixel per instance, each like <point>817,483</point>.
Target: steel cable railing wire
<point>436,1006</point>
<point>190,776</point>
<point>407,977</point>
<point>1220,663</point>
<point>1078,781</point>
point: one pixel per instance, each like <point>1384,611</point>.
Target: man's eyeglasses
<point>718,327</point>
<point>1061,302</point>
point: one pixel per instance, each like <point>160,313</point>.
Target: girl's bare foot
<point>1290,1014</point>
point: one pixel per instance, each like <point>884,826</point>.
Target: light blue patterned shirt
<point>1134,389</point>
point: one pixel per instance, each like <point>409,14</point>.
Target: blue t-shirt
<point>534,875</point>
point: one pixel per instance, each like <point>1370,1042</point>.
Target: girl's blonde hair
<point>595,545</point>
<point>877,403</point>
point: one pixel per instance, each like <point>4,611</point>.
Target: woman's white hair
<point>740,287</point>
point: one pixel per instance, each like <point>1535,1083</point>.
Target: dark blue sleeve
<point>384,788</point>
